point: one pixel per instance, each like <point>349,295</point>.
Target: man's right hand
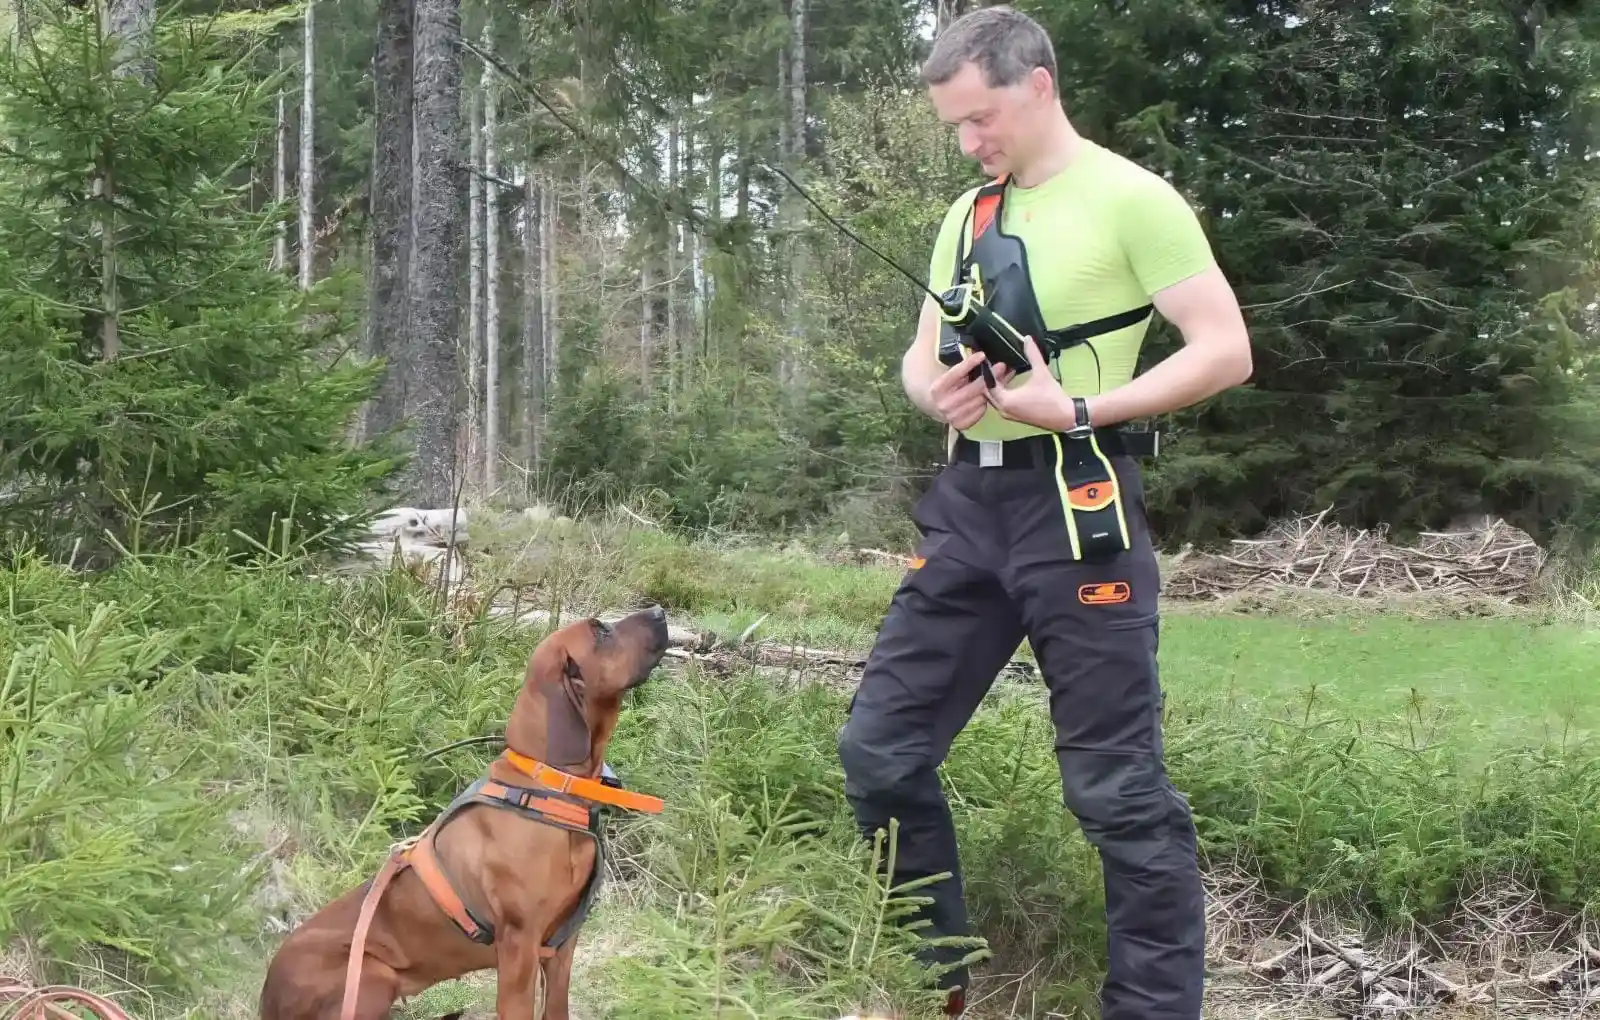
<point>957,400</point>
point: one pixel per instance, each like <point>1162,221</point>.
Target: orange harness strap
<point>561,808</point>
<point>358,942</point>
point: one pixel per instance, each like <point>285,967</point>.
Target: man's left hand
<point>1039,400</point>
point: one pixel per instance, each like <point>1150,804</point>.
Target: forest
<point>269,270</point>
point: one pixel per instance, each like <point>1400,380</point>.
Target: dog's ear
<point>566,725</point>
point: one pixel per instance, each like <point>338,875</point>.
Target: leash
<point>41,1003</point>
<point>557,803</point>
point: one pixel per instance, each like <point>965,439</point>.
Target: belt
<point>1040,450</point>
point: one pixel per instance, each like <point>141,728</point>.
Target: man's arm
<point>919,367</point>
<point>1215,354</point>
<point>1172,259</point>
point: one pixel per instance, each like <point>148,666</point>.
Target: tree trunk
<point>388,319</point>
<point>491,283</point>
<point>473,427</point>
<point>532,321</point>
<point>550,229</point>
<point>948,11</point>
<point>437,243</point>
<point>127,24</point>
<point>280,181</point>
<point>308,156</point>
<point>794,217</point>
<point>645,315</point>
<point>669,340</point>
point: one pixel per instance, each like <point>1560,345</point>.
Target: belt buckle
<point>990,453</point>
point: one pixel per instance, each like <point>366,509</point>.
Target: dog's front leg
<point>517,964</point>
<point>557,979</point>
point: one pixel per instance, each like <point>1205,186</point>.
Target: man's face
<point>998,127</point>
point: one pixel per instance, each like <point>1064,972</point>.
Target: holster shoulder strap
<point>1002,259</point>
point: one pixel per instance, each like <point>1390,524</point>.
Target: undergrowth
<point>193,756</point>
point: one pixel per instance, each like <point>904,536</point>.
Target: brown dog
<point>504,876</point>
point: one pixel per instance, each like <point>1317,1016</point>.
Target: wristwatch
<point>1080,415</point>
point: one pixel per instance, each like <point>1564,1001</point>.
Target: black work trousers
<point>996,568</point>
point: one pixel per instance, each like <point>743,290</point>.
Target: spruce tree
<point>222,407</point>
<point>1402,195</point>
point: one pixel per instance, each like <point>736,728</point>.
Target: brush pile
<point>1502,951</point>
<point>1495,561</point>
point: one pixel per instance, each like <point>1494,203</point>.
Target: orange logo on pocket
<point>1106,594</point>
<point>1092,495</point>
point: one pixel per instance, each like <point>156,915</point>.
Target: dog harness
<point>561,799</point>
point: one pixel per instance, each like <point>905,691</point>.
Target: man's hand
<point>955,399</point>
<point>1039,401</point>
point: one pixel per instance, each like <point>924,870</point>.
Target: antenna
<point>848,233</point>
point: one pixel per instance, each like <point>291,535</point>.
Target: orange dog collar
<point>580,786</point>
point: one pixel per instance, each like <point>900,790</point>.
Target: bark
<point>388,332</point>
<point>308,156</point>
<point>438,237</point>
<point>131,22</point>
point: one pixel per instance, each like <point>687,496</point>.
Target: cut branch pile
<point>1505,954</point>
<point>1496,561</point>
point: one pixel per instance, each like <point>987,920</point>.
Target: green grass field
<point>191,755</point>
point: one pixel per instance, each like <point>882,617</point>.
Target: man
<point>1021,537</point>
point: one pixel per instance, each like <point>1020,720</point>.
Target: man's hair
<point>1004,43</point>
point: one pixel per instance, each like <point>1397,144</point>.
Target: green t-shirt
<point>1103,236</point>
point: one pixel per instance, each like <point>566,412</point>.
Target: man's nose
<point>969,140</point>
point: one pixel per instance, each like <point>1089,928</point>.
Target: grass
<point>192,756</point>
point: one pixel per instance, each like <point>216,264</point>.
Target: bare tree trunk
<point>437,242</point>
<point>532,321</point>
<point>388,319</point>
<point>714,188</point>
<point>645,315</point>
<point>127,25</point>
<point>784,123</point>
<point>669,344</point>
<point>947,11</point>
<point>791,146</point>
<point>742,206</point>
<point>795,220</point>
<point>280,181</point>
<point>491,285</point>
<point>473,425</point>
<point>308,156</point>
<point>549,289</point>
<point>22,30</point>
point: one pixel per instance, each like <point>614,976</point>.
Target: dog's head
<point>574,684</point>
